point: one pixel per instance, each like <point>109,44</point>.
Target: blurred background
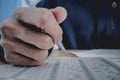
<point>8,6</point>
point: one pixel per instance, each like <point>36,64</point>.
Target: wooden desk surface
<point>59,53</point>
<point>56,53</point>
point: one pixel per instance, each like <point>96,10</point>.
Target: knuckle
<point>48,42</point>
<point>47,39</point>
<point>4,25</point>
<point>9,57</point>
<point>18,13</point>
<point>44,17</point>
<point>7,27</point>
<point>7,44</point>
<point>61,32</point>
<point>4,43</point>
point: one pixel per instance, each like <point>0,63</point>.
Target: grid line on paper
<point>111,64</point>
<point>20,72</point>
<point>88,73</point>
<point>54,72</point>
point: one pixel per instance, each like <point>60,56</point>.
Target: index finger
<point>41,18</point>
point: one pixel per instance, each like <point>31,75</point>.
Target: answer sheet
<point>62,68</point>
<point>105,53</point>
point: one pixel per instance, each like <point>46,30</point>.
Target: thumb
<point>60,14</point>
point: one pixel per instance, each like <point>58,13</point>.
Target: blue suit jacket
<point>90,23</point>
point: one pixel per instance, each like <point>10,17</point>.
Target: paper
<point>105,53</point>
<point>65,69</point>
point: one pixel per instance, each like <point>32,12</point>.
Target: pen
<point>60,45</point>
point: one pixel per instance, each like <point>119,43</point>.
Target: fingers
<point>24,49</point>
<point>14,30</point>
<point>42,18</point>
<point>60,14</point>
<point>17,59</point>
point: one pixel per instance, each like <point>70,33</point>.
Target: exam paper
<point>63,68</point>
<point>105,53</point>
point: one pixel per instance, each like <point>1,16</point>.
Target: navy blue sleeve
<point>46,4</point>
<point>1,52</point>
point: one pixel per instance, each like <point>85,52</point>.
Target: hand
<point>29,33</point>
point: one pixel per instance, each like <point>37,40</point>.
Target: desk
<point>56,53</point>
<point>59,53</point>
